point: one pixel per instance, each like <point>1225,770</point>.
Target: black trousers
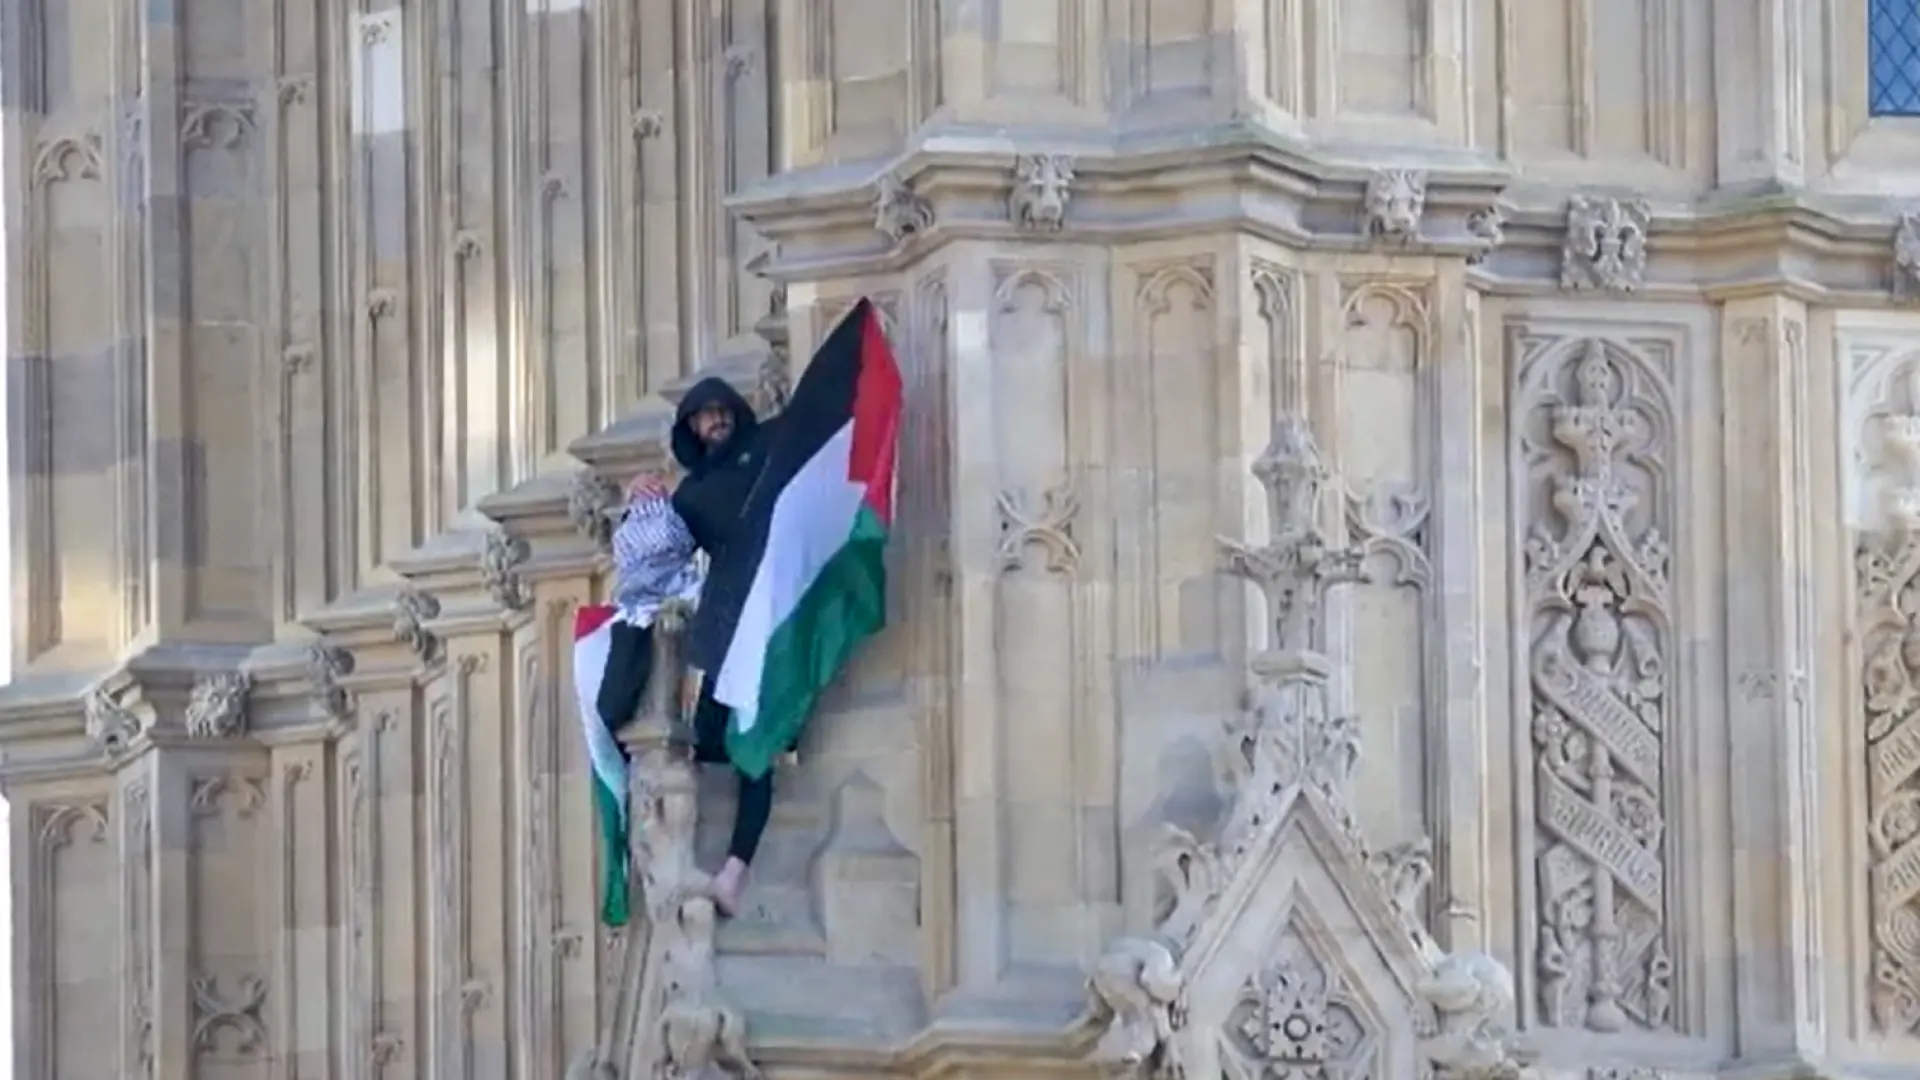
<point>629,664</point>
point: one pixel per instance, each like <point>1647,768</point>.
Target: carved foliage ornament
<point>327,665</point>
<point>899,213</point>
<point>1606,244</point>
<point>412,610</point>
<point>1596,436</point>
<point>217,707</point>
<point>1887,579</point>
<point>591,502</point>
<point>1043,185</point>
<point>1394,203</point>
<point>110,726</point>
<point>1906,258</point>
<point>500,562</point>
<point>1488,228</point>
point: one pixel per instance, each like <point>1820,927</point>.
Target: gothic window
<point>1893,57</point>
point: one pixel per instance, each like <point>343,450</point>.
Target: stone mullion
<point>170,785</point>
<point>1459,803</point>
<point>1770,497</point>
<point>164,239</point>
<point>305,994</point>
<point>980,929</point>
<point>1761,123</point>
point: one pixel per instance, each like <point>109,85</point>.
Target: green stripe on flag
<point>613,866</point>
<point>845,605</point>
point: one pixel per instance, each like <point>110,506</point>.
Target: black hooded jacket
<point>714,491</point>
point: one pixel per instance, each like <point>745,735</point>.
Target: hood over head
<point>713,390</point>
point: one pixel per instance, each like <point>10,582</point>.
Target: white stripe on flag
<point>812,519</point>
<point>589,668</point>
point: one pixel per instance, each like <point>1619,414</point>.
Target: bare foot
<point>728,884</point>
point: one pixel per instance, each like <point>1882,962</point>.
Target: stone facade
<point>1574,340</point>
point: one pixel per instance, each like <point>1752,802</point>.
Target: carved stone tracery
<point>1296,1020</point>
<point>1597,593</point>
<point>1047,525</point>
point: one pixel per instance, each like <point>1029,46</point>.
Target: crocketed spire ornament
<point>1242,976</point>
<point>1286,736</point>
<point>1295,568</point>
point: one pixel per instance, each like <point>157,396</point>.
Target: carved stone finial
<point>500,562</point>
<point>217,706</point>
<point>898,212</point>
<point>1043,185</point>
<point>1606,244</point>
<point>1472,1037</point>
<point>1488,227</point>
<point>1296,567</point>
<point>111,727</point>
<point>591,502</point>
<point>1395,201</point>
<point>412,610</point>
<point>1906,258</point>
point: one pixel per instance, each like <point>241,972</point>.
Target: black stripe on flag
<point>821,405</point>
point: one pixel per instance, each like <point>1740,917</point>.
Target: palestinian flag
<point>592,639</point>
<point>803,583</point>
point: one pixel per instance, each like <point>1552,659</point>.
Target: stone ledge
<point>959,185</point>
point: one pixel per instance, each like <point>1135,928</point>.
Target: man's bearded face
<point>713,423</point>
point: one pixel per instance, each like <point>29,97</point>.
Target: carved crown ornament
<point>1213,990</point>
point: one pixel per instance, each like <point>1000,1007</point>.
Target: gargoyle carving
<point>1136,993</point>
<point>1472,1037</point>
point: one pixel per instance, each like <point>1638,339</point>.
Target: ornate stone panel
<point>1883,470</point>
<point>1600,467</point>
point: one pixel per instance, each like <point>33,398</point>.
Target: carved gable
<point>1288,949</point>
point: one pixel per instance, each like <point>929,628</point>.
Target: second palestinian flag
<point>810,545</point>
<point>592,641</point>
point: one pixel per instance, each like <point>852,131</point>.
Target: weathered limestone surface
<point>335,325</point>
